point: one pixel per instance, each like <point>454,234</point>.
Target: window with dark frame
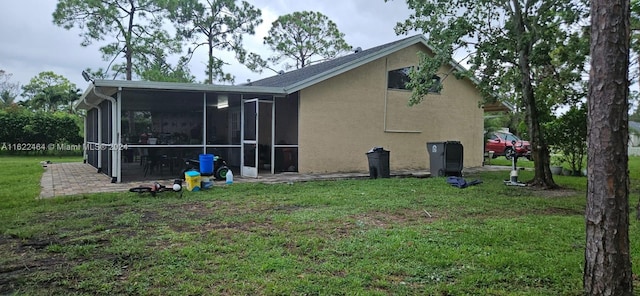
<point>436,86</point>
<point>399,79</point>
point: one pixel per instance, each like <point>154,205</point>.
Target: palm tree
<point>7,98</point>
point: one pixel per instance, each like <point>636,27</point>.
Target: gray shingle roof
<point>325,70</point>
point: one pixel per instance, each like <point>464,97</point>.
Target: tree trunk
<point>539,148</point>
<point>211,61</point>
<point>128,41</point>
<point>607,269</point>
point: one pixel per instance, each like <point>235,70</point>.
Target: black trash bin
<point>378,163</point>
<point>445,158</point>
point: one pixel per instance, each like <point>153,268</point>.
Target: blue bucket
<point>206,164</point>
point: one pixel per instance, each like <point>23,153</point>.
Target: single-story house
<point>318,119</point>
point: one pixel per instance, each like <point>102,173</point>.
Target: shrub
<point>23,126</point>
<point>567,135</point>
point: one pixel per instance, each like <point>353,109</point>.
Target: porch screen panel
<point>287,120</point>
<point>250,117</point>
<point>92,125</point>
<point>231,155</point>
<point>286,134</point>
<point>106,122</point>
<point>286,159</point>
<point>106,135</point>
<point>92,136</point>
<point>92,158</point>
<point>162,117</point>
<point>223,119</point>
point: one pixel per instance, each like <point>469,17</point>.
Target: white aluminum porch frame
<point>204,145</point>
<point>116,125</point>
<point>249,171</point>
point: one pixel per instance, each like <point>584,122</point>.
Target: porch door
<point>250,139</point>
<point>257,136</point>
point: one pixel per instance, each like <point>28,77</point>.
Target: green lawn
<point>522,162</point>
<point>362,237</point>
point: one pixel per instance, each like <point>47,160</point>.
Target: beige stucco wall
<point>343,117</point>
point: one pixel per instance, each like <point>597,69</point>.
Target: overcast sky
<point>33,44</point>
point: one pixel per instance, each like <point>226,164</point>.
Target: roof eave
<point>354,64</point>
<point>189,87</point>
<point>88,99</point>
<point>498,107</point>
<point>81,103</point>
<point>359,62</point>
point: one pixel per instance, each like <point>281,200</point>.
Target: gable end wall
<point>343,117</point>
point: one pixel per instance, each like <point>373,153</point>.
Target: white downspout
<point>84,146</point>
<point>114,132</point>
<point>99,160</point>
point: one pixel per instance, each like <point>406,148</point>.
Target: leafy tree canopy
<point>135,26</point>
<point>634,59</point>
<point>568,136</point>
<point>305,37</point>
<point>635,36</point>
<point>215,25</point>
<point>493,36</point>
<point>100,73</point>
<point>159,70</point>
<point>8,90</point>
<point>24,126</point>
<point>531,53</point>
<point>50,92</point>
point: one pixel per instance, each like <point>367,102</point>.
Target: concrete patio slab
<point>62,179</point>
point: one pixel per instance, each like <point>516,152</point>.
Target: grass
<point>370,237</point>
<point>502,161</point>
<point>20,178</point>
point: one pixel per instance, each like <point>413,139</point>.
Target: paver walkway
<point>76,178</point>
<point>61,179</point>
